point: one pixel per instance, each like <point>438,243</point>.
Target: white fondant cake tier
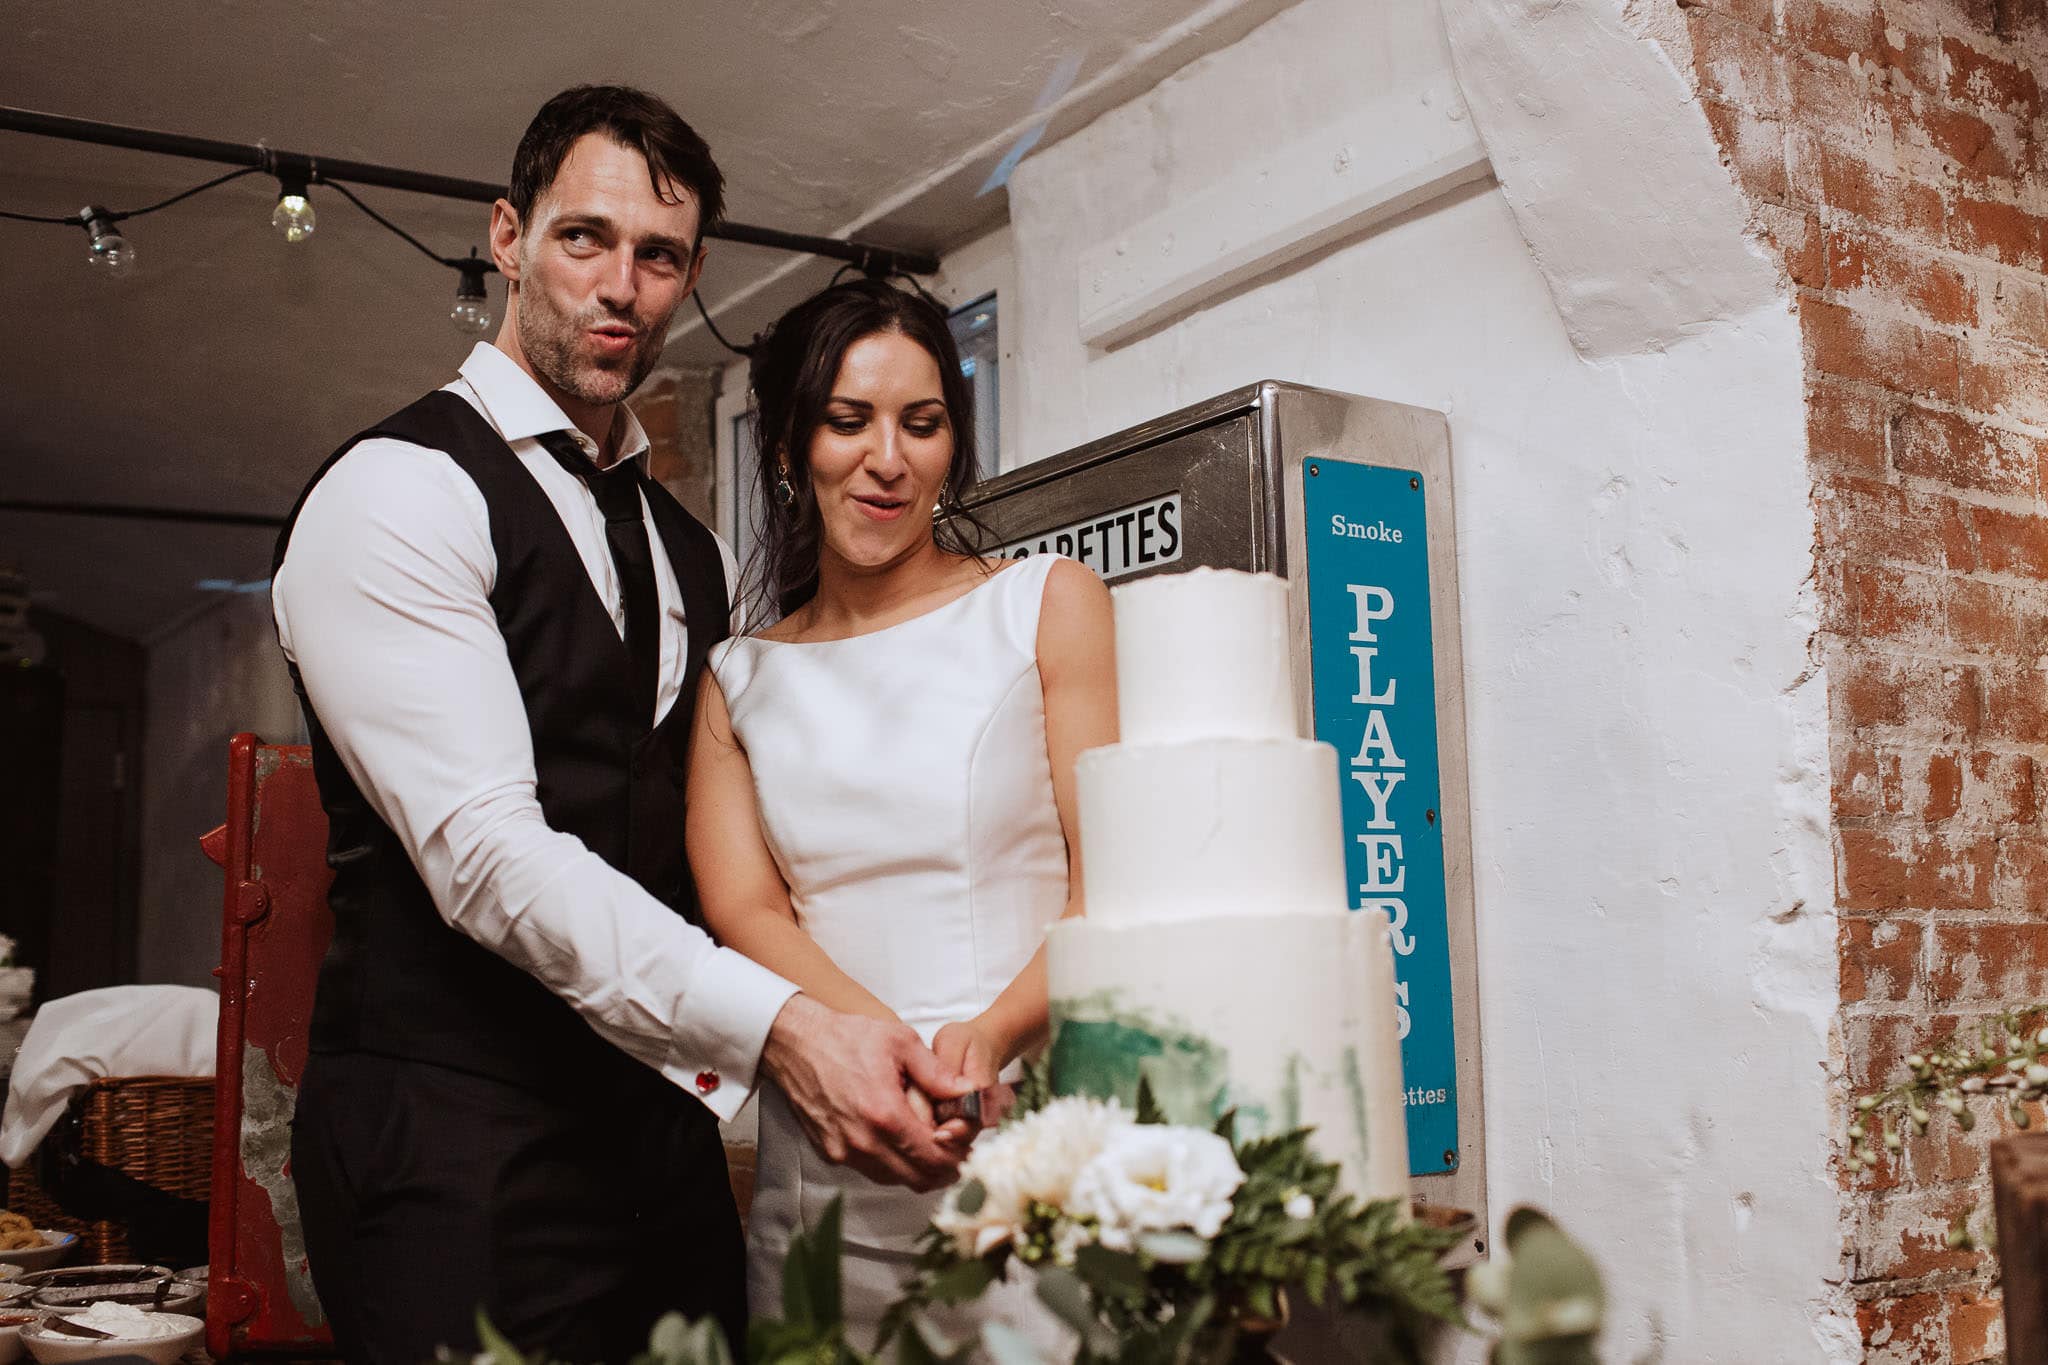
<point>1218,959</point>
<point>1288,1019</point>
<point>1203,654</point>
<point>1212,827</point>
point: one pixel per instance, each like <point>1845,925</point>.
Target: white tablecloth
<point>119,1031</point>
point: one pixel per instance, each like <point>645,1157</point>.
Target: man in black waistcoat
<point>521,1041</point>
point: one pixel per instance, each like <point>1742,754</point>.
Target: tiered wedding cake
<point>1219,957</point>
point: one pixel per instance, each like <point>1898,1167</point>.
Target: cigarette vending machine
<point>1349,499</point>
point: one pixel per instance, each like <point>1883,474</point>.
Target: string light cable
<point>111,252</point>
<point>746,351</point>
<point>295,220</point>
<point>472,310</point>
<point>108,250</point>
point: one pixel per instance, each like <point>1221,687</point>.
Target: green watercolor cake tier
<point>1275,1016</point>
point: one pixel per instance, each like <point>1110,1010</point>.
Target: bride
<point>881,787</point>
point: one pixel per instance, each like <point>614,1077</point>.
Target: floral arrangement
<point>1158,1245</point>
<point>1161,1243</point>
<point>1541,1289</point>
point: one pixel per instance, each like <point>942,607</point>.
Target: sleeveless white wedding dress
<point>906,794</point>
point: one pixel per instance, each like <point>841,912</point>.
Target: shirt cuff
<point>731,1004</point>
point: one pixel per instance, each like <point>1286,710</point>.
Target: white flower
<point>1068,1241</point>
<point>1033,1160</point>
<point>1152,1178</point>
<point>1299,1205</point>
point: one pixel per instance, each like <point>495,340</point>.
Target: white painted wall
<point>1647,730</point>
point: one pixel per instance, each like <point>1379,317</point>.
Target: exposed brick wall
<point>676,405</point>
<point>1896,155</point>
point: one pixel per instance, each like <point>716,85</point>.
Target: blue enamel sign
<point>1374,682</point>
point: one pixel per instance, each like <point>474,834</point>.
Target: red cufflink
<point>707,1081</point>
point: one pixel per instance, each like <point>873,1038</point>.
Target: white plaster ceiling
<point>230,363</point>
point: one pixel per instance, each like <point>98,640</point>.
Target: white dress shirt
<point>383,602</point>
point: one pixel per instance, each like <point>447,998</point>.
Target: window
<point>974,328</point>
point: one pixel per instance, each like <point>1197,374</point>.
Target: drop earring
<point>785,493</point>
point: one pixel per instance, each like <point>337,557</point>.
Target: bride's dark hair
<point>794,365</point>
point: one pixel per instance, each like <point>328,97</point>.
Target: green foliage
<point>1178,1299</point>
<point>1544,1292</point>
<point>2006,1067</point>
<point>496,1349</point>
<point>1149,1110</point>
<point>1034,1090</point>
<point>1342,1253</point>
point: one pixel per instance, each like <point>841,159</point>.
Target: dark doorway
<point>70,817</point>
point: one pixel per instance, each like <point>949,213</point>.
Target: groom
<point>521,1041</point>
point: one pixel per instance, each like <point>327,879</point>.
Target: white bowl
<point>10,1333</point>
<point>57,1246</point>
<point>179,1296</point>
<point>55,1348</point>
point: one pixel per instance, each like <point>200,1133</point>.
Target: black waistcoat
<point>397,979</point>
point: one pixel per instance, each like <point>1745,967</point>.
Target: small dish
<point>202,1276</point>
<point>182,1296</point>
<point>11,1324</point>
<point>57,1246</point>
<point>55,1348</point>
<point>72,1277</point>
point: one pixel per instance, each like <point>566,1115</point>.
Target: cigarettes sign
<point>1142,536</point>
<point>1375,699</point>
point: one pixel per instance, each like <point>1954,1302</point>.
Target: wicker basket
<point>158,1129</point>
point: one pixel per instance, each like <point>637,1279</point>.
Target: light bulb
<point>472,311</point>
<point>471,317</point>
<point>109,252</point>
<point>294,218</point>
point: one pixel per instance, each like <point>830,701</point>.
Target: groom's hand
<point>850,1080</point>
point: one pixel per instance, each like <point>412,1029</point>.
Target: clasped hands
<point>864,1090</point>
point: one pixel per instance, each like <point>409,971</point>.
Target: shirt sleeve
<point>383,602</point>
<point>738,624</point>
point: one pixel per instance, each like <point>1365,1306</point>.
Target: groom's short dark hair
<point>632,118</point>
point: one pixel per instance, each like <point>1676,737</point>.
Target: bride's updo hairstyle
<point>794,366</point>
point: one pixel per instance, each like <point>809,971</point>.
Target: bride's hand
<point>964,1048</point>
<point>968,1050</point>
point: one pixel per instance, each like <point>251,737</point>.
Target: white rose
<point>1068,1241</point>
<point>1033,1160</point>
<point>987,1225</point>
<point>1152,1178</point>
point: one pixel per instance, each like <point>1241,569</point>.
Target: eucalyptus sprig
<point>2005,1066</point>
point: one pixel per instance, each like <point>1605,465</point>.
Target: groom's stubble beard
<point>549,341</point>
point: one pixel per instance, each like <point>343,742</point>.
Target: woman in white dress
<point>881,792</point>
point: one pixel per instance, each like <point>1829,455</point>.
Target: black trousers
<point>428,1193</point>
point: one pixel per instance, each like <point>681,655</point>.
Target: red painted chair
<point>274,930</point>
